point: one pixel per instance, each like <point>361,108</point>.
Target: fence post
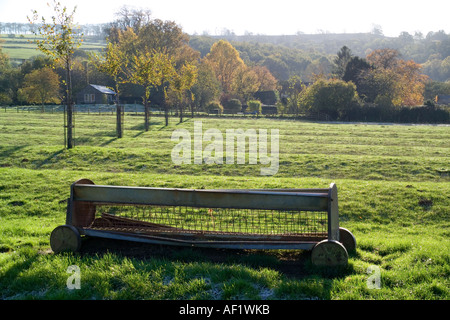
<point>333,213</point>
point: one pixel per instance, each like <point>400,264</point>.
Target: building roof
<point>102,89</point>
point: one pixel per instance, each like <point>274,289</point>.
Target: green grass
<point>22,46</point>
<point>393,195</point>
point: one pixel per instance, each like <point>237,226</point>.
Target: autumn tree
<point>4,59</point>
<point>294,90</point>
<point>152,45</point>
<point>249,80</point>
<point>151,69</point>
<point>245,83</point>
<point>267,82</point>
<point>113,63</point>
<point>181,85</point>
<point>207,88</point>
<point>384,58</point>
<point>377,84</point>
<point>411,84</point>
<point>59,41</point>
<point>393,79</point>
<point>163,36</point>
<point>5,87</point>
<point>42,86</point>
<point>236,78</point>
<point>226,63</point>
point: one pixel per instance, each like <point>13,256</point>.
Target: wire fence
<point>106,109</point>
<point>130,109</point>
<point>138,109</point>
<point>177,219</point>
<point>86,109</point>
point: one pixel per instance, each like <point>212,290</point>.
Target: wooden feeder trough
<point>305,219</point>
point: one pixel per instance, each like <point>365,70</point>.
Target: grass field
<point>22,46</point>
<point>393,183</point>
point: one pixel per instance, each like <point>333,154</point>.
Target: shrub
<point>423,114</point>
<point>254,106</point>
<point>215,108</point>
<point>331,97</point>
<point>267,97</point>
<point>232,106</point>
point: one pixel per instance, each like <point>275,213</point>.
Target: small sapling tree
<point>58,39</point>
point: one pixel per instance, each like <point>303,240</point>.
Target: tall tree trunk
<point>146,115</point>
<point>166,107</point>
<point>166,114</point>
<point>69,106</point>
<point>119,127</point>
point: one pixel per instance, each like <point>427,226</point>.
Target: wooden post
<point>146,115</point>
<point>333,213</point>
<point>119,129</point>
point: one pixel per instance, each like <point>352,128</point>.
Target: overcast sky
<point>270,17</point>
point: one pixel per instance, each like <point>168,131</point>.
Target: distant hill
<point>315,51</point>
<point>327,43</point>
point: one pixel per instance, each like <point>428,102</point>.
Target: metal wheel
<point>347,239</point>
<point>65,238</point>
<point>329,253</point>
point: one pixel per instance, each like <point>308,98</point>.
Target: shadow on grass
<point>8,152</point>
<point>50,158</point>
<point>108,142</point>
<point>141,126</point>
<point>28,257</point>
<point>293,264</point>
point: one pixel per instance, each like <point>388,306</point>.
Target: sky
<point>268,17</point>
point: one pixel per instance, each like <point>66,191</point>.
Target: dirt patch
<point>426,203</point>
<point>17,203</point>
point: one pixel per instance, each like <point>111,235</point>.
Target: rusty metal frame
<point>85,196</point>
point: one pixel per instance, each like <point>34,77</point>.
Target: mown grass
<point>23,47</point>
<point>393,195</point>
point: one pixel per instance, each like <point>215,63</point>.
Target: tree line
<point>303,51</point>
<point>379,87</point>
<point>298,54</point>
<point>155,62</point>
<point>16,28</point>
